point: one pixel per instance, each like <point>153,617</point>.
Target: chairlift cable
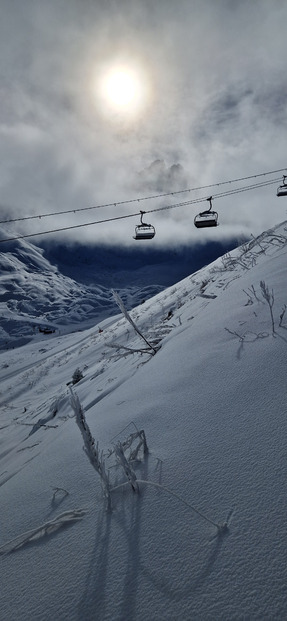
<point>140,199</point>
<point>164,208</point>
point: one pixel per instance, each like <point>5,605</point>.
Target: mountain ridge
<point>54,288</point>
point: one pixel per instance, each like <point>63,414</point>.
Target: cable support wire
<point>140,199</point>
<point>157,209</point>
<point>215,196</point>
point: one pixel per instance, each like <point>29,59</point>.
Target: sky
<point>203,100</point>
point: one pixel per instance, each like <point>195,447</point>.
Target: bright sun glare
<point>122,90</point>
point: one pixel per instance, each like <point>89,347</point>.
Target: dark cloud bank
<point>123,267</point>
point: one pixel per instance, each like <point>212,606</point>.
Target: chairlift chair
<point>282,189</point>
<point>206,218</point>
<point>144,230</point>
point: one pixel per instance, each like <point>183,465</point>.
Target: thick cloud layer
<point>215,108</point>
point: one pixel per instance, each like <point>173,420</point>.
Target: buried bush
<point>98,461</point>
<point>97,457</point>
<point>77,376</point>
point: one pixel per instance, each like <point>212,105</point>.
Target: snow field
<point>212,403</point>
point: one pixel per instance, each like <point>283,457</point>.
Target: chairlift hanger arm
<point>143,223</point>
<point>209,210</point>
<point>210,203</point>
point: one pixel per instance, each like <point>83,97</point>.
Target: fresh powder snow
<point>202,534</point>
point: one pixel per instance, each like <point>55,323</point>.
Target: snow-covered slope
<point>36,298</point>
<point>56,289</point>
<point>212,403</point>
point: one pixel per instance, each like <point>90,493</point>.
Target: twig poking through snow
<point>90,447</point>
<point>48,528</point>
<point>269,297</point>
<point>59,490</point>
<point>121,305</point>
<point>282,315</point>
<point>128,470</point>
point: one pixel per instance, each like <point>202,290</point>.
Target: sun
<point>122,90</point>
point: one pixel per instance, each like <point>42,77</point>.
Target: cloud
<point>217,107</point>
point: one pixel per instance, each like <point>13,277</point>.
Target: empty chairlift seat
<point>282,189</point>
<point>206,218</point>
<point>144,230</point>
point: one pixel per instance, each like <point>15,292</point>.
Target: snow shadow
<point>126,517</point>
<point>94,595</point>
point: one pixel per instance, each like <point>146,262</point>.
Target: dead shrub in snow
<point>97,457</point>
<point>77,376</point>
<point>269,298</point>
<point>98,461</point>
<point>128,470</point>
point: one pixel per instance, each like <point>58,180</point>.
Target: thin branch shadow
<point>165,586</point>
<point>92,604</point>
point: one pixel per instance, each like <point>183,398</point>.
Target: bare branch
<point>121,305</point>
<point>269,297</point>
<point>282,315</point>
